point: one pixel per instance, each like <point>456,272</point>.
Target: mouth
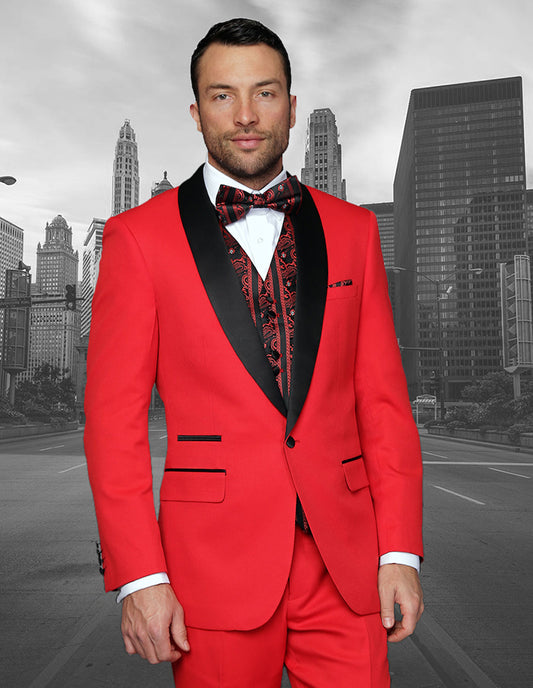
<point>247,142</point>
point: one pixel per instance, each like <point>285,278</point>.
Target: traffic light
<point>70,297</point>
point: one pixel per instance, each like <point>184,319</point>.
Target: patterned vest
<point>272,304</point>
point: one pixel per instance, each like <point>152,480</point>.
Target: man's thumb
<point>179,632</point>
<point>387,613</point>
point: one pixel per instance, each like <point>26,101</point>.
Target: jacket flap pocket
<point>345,291</point>
<point>355,473</point>
<point>193,485</point>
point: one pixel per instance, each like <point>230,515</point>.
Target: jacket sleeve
<point>121,369</point>
<point>389,437</point>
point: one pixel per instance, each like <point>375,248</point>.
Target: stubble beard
<point>252,168</point>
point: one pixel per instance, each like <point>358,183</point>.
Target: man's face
<point>244,112</point>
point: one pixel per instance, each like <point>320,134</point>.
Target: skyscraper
<point>529,220</point>
<point>92,249</point>
<point>323,159</point>
<point>54,330</point>
<point>459,210</point>
<point>384,213</point>
<point>11,247</point>
<point>125,170</point>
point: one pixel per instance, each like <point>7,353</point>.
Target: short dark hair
<point>239,32</point>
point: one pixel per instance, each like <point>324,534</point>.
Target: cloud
<point>73,71</point>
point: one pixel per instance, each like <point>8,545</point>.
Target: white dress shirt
<point>257,233</point>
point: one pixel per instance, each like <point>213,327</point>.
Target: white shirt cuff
<point>400,558</point>
<point>140,583</point>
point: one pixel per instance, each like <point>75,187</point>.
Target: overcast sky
<point>73,70</point>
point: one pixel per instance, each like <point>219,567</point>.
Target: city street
<point>60,631</point>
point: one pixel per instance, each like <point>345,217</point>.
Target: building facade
<point>11,249</point>
<point>54,329</point>
<point>92,250</point>
<point>384,213</point>
<point>323,154</point>
<point>125,171</point>
<point>459,211</point>
<point>162,186</point>
<point>529,220</point>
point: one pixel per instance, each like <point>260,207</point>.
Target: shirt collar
<point>213,178</point>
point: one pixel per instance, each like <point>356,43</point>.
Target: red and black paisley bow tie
<point>233,204</point>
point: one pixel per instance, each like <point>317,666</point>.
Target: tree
<point>50,393</point>
<point>493,386</point>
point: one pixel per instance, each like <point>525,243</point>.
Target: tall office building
<point>125,170</point>
<point>54,330</point>
<point>529,220</point>
<point>323,158</point>
<point>92,250</point>
<point>384,213</point>
<point>459,211</point>
<point>11,247</point>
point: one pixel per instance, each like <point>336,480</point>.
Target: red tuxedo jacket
<point>168,308</point>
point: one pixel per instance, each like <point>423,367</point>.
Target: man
<point>290,513</point>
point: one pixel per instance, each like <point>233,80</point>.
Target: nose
<point>246,114</point>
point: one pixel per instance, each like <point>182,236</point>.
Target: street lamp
<point>439,295</point>
<point>8,180</point>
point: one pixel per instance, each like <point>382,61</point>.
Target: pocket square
<point>342,283</point>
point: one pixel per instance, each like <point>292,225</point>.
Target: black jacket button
<point>290,442</point>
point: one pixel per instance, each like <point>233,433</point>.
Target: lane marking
<point>476,463</point>
<point>518,475</point>
<point>87,625</point>
<point>432,454</point>
<point>459,495</point>
<point>450,661</point>
<point>72,468</point>
<point>57,446</point>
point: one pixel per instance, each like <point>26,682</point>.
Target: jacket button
<point>290,442</point>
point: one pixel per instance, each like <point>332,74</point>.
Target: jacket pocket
<point>193,485</point>
<point>342,291</point>
<point>355,473</point>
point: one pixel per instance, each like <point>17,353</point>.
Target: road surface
<point>60,631</point>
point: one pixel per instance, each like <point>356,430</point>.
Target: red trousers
<point>322,643</point>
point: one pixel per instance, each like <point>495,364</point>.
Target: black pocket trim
<point>195,470</point>
<point>354,459</point>
<point>199,438</point>
<point>342,283</point>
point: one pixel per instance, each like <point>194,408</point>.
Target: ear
<point>195,114</point>
<point>292,113</point>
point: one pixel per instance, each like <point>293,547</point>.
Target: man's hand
<point>399,584</point>
<point>152,624</point>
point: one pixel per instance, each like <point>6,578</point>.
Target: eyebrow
<point>259,84</point>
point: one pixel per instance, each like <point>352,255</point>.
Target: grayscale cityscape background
<point>420,111</point>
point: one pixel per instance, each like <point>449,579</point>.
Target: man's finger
<point>387,607</point>
<point>178,631</point>
<point>162,647</point>
<point>128,645</point>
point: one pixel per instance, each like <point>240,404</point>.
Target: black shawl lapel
<point>311,289</point>
<point>222,284</point>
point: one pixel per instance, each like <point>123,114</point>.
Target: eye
<point>221,96</point>
<point>265,94</point>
